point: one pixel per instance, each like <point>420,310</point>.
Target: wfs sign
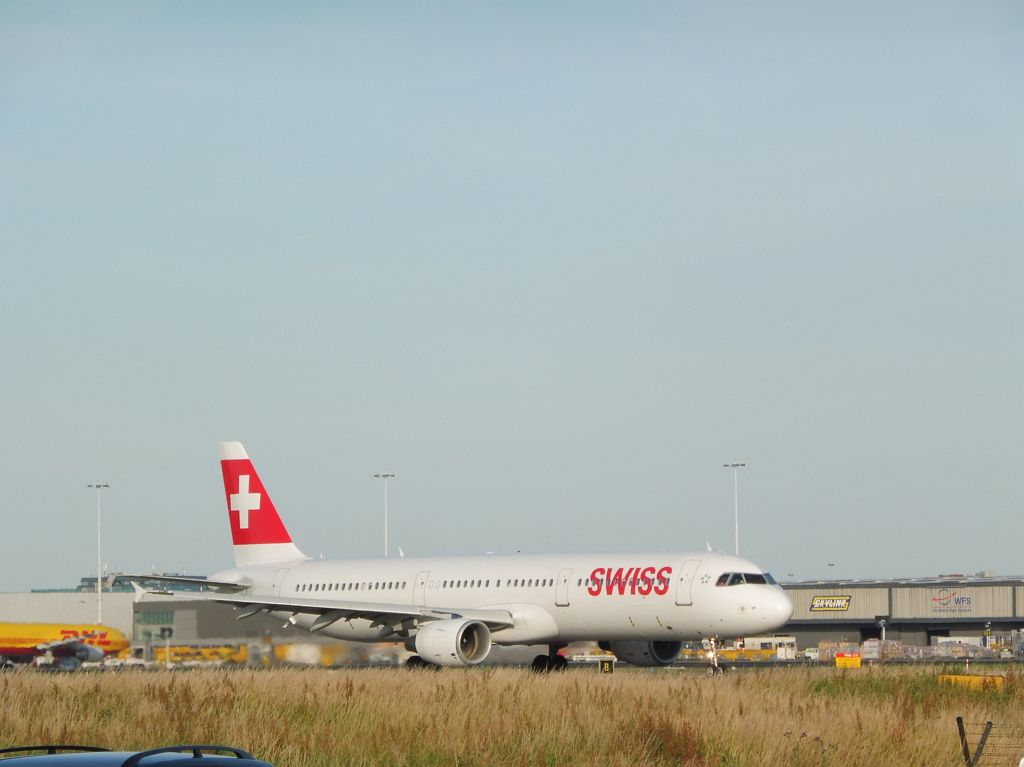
<point>946,600</point>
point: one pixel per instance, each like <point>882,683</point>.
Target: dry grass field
<point>295,718</point>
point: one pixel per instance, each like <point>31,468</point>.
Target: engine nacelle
<point>646,653</point>
<point>454,642</point>
<point>89,653</point>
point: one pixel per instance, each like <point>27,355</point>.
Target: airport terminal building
<point>915,611</point>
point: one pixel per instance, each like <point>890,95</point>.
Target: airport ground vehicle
<point>167,756</point>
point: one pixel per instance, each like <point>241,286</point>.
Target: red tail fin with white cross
<point>257,532</point>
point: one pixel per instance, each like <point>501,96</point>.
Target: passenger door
<point>278,581</point>
<point>684,584</point>
<point>562,588</point>
<point>419,596</point>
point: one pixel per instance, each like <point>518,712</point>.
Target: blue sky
<point>551,264</point>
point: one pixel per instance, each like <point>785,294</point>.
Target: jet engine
<point>87,652</point>
<point>454,642</point>
<point>645,653</point>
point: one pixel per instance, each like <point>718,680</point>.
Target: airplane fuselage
<point>654,596</point>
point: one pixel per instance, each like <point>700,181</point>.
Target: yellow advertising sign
<point>833,604</point>
<point>847,660</point>
<point>987,682</point>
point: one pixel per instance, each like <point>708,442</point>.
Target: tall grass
<point>295,718</point>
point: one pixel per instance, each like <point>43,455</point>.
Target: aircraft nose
<point>782,607</point>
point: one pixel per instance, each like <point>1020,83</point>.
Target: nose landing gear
<point>714,669</point>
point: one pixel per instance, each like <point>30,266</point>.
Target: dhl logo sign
<point>96,638</point>
<point>839,604</point>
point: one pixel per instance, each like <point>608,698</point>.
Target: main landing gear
<point>550,662</point>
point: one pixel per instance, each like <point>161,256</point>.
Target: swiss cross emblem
<point>243,501</point>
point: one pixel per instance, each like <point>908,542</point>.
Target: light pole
<point>385,476</point>
<point>736,466</point>
<point>98,486</point>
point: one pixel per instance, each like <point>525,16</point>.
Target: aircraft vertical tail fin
<point>257,532</point>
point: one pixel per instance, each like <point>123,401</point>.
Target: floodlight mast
<point>385,475</point>
<point>98,486</point>
<point>736,466</point>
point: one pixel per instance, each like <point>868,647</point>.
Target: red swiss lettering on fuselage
<point>629,580</point>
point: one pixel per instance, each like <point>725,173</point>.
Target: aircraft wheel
<point>559,663</point>
<point>541,664</point>
<point>415,661</point>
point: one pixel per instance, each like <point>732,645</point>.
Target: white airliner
<point>450,610</point>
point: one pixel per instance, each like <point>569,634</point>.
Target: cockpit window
<point>768,578</point>
<point>735,579</point>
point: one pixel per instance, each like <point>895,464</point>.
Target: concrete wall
<point>977,602</point>
<point>67,607</point>
<point>199,622</point>
<point>839,603</point>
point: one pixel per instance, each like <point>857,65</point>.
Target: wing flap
<point>373,611</point>
<point>330,610</point>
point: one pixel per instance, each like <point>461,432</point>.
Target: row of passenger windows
<point>509,583</point>
<point>726,579</point>
<point>436,584</point>
<point>375,586</point>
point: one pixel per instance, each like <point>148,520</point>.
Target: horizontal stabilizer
<point>181,580</point>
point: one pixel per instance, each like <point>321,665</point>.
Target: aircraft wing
<point>400,618</point>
